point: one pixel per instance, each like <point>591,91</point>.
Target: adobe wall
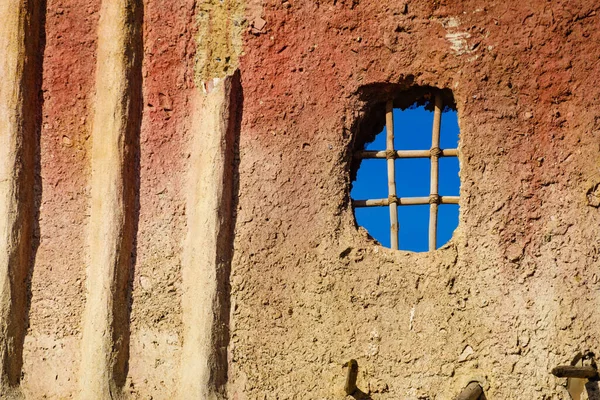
<point>176,220</point>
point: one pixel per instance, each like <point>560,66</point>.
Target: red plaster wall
<point>518,284</point>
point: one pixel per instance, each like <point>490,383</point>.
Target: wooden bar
<point>382,154</point>
<point>568,371</point>
<point>413,201</point>
<point>391,171</point>
<point>351,375</point>
<point>449,199</point>
<point>404,201</point>
<point>473,391</point>
<point>371,203</point>
<point>433,189</point>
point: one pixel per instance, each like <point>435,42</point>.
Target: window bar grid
<point>434,182</point>
<point>390,154</point>
<point>404,201</point>
<point>391,171</point>
<point>405,153</point>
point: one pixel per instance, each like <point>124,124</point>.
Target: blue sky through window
<point>412,131</point>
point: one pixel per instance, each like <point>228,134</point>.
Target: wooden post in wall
<point>434,183</point>
<point>391,172</point>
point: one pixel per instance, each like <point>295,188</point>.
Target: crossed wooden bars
<point>390,154</point>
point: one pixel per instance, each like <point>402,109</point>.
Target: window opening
<point>421,172</point>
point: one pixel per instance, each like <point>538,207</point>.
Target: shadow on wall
<point>132,174</point>
<point>593,391</point>
<point>360,395</point>
<point>30,180</point>
<point>225,243</point>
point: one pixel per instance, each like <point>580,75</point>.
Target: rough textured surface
<point>156,309</point>
<point>207,255</point>
<point>113,212</point>
<point>51,351</point>
<point>19,39</point>
<point>512,295</point>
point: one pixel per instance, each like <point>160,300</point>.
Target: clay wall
<point>175,217</point>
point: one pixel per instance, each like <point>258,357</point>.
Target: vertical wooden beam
<point>351,376</point>
<point>434,182</point>
<point>115,135</point>
<point>20,30</point>
<point>391,172</point>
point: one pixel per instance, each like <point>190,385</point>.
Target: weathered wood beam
<point>570,371</point>
<point>351,376</point>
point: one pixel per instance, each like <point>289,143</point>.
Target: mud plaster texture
<point>516,290</point>
<point>514,293</point>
